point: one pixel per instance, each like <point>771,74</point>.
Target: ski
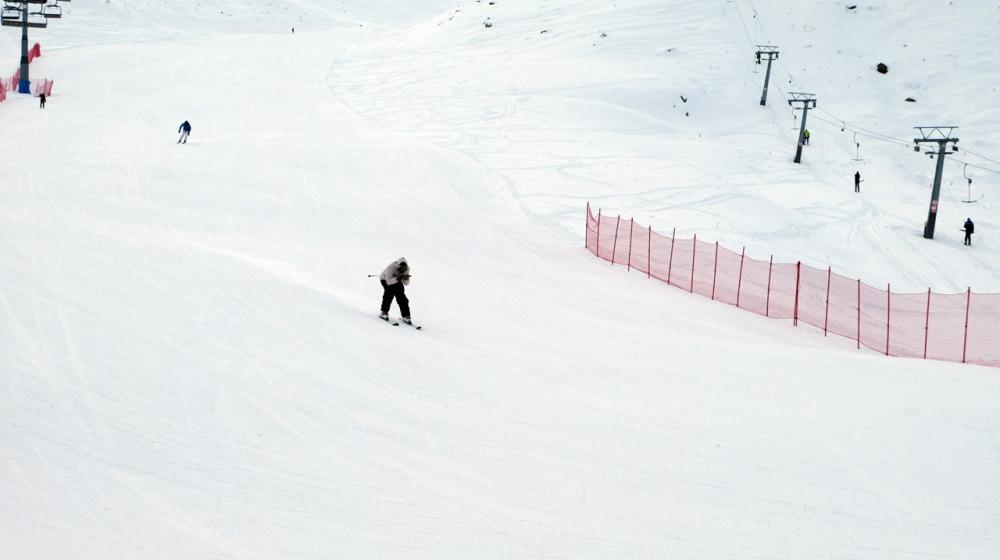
<point>396,322</point>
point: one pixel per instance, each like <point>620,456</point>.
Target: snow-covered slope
<point>652,109</point>
<point>190,366</point>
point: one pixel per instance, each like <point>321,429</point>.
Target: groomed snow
<point>190,364</point>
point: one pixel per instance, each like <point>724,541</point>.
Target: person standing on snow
<point>185,131</point>
<point>970,228</point>
<point>41,101</point>
<point>857,181</point>
<point>394,279</point>
<point>805,137</point>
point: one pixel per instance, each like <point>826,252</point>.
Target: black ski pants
<point>968,237</point>
<point>398,292</point>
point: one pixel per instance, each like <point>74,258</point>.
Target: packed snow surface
<point>190,361</point>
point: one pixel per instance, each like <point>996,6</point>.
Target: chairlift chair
<point>37,19</point>
<point>968,199</point>
<point>10,17</point>
<point>52,11</point>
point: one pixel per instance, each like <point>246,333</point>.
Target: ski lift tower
<point>808,101</point>
<point>16,13</point>
<point>770,52</point>
<point>941,135</point>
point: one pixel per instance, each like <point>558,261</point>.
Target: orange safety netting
<point>961,327</point>
<point>45,86</point>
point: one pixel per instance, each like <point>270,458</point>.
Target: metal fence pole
<point>888,315</point>
<point>965,342</point>
<point>614,247</point>
<point>649,252</point>
<point>859,313</point>
<point>927,321</point>
<point>767,301</point>
<point>739,282</point>
<point>598,233</point>
<point>798,280</point>
<point>715,268</point>
<point>631,223</point>
<point>694,253</point>
<point>670,262</point>
<point>826,316</point>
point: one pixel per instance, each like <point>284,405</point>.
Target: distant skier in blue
<point>393,279</point>
<point>185,131</point>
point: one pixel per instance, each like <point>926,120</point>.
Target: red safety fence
<point>44,86</point>
<point>14,79</point>
<point>962,327</point>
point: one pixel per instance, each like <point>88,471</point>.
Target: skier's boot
<point>384,316</point>
<point>406,320</point>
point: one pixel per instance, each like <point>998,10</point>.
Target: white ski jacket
<point>392,273</point>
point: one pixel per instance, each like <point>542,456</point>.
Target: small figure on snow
<point>857,181</point>
<point>185,131</point>
<point>393,279</point>
<point>970,228</point>
<point>41,101</point>
<point>805,137</point>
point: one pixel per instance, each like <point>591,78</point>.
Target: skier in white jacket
<point>393,279</point>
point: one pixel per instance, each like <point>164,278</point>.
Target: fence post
<point>859,313</point>
<point>715,268</point>
<point>694,252</point>
<point>767,301</point>
<point>739,282</point>
<point>670,263</point>
<point>631,223</point>
<point>614,247</point>
<point>927,321</point>
<point>888,315</point>
<point>649,253</point>
<point>965,342</point>
<point>798,276</point>
<point>826,316</point>
<point>598,233</point>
